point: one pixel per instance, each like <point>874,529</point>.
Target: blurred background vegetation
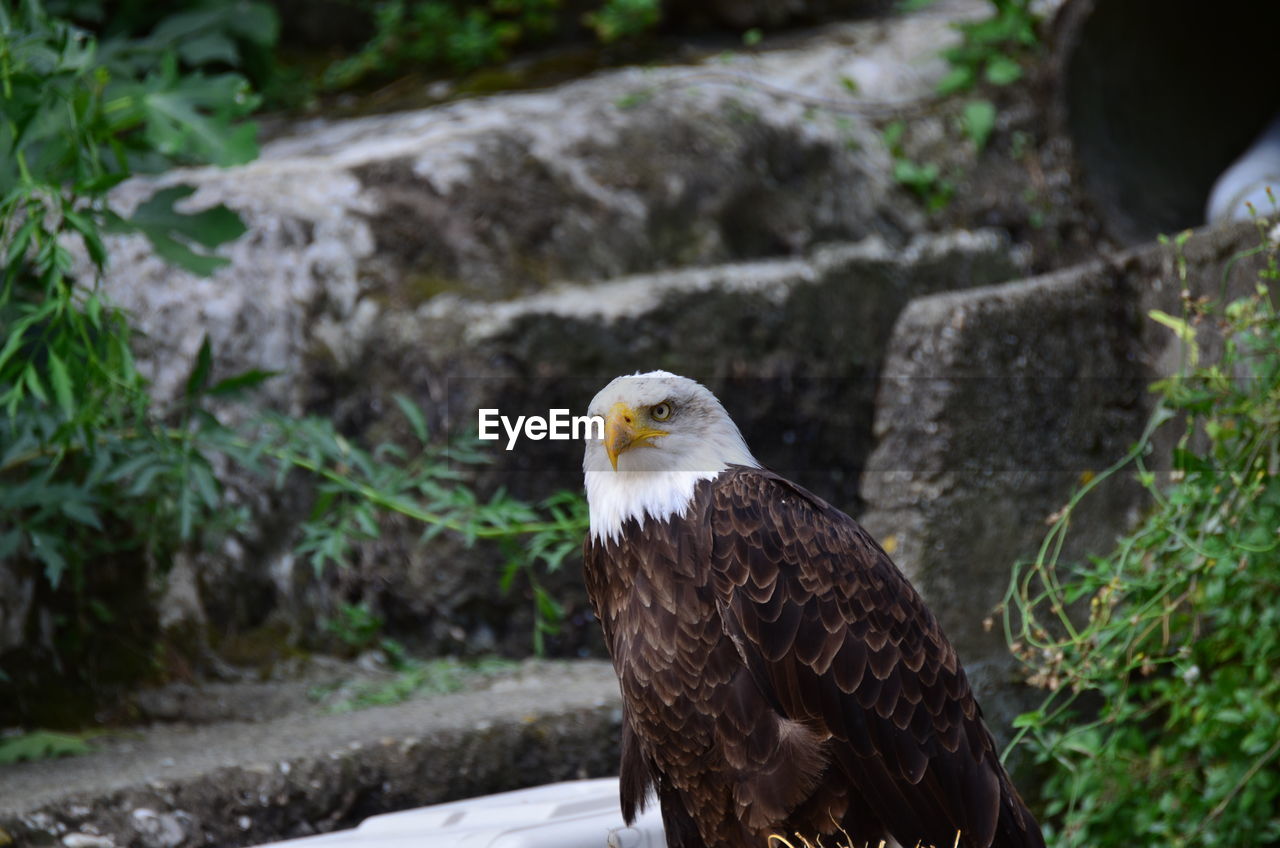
<point>99,479</point>
<point>1158,661</point>
<point>1161,716</point>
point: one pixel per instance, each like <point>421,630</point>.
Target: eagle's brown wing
<point>836,638</point>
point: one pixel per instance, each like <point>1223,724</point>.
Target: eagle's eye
<point>661,412</point>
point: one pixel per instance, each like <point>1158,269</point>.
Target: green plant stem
<point>1249,775</point>
<point>370,493</point>
<point>408,510</point>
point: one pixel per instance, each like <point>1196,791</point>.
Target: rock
<point>628,171</point>
<point>17,593</point>
<point>162,830</point>
<point>87,840</point>
<point>996,403</point>
<point>180,613</point>
<point>242,783</point>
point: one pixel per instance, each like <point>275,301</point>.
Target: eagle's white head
<point>662,434</point>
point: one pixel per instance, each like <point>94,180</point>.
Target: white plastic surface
<point>574,814</point>
<point>1247,180</point>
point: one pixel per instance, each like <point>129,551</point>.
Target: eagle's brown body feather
<point>780,676</point>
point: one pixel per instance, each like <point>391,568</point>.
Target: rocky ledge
<point>245,782</point>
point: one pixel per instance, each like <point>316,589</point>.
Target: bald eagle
<point>779,676</point>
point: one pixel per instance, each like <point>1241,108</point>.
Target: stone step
<point>243,783</point>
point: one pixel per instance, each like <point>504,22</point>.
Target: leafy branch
<point>1161,711</point>
<point>92,468</point>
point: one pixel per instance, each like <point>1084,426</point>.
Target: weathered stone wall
<point>626,172</point>
<point>792,347</point>
<point>248,782</point>
<point>996,403</point>
<point>355,223</point>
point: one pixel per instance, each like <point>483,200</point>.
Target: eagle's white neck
<point>615,496</point>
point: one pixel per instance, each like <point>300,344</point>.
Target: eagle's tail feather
<point>1017,828</point>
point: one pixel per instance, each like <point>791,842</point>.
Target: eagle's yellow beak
<point>623,430</point>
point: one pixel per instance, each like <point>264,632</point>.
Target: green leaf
<point>40,745</point>
<point>61,383</point>
<point>21,240</point>
<point>170,231</point>
<point>193,116</point>
<point>209,48</point>
<point>79,511</point>
<point>1183,330</point>
<point>241,382</point>
<point>893,134</point>
<point>1002,70</point>
<point>979,119</point>
<point>16,335</point>
<point>142,480</point>
<point>550,611</point>
<point>414,415</point>
<point>199,376</point>
<point>210,227</point>
<point>1029,719</point>
<point>102,612</point>
<point>102,183</point>
<point>32,381</point>
<point>206,485</point>
<point>959,78</point>
<point>93,309</point>
<point>131,466</point>
<point>178,254</point>
<point>46,549</point>
<point>89,233</point>
<point>915,175</point>
<point>255,22</point>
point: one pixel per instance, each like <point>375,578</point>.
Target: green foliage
<point>40,745</point>
<point>355,486</point>
<point>79,447</point>
<point>240,34</point>
<point>544,549</point>
<point>1162,719</point>
<point>443,34</point>
<point>908,6</point>
<point>923,179</point>
<point>979,119</point>
<point>415,678</point>
<point>449,35</point>
<point>991,48</point>
<point>92,468</point>
<point>620,19</point>
<point>360,628</point>
<point>356,625</point>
